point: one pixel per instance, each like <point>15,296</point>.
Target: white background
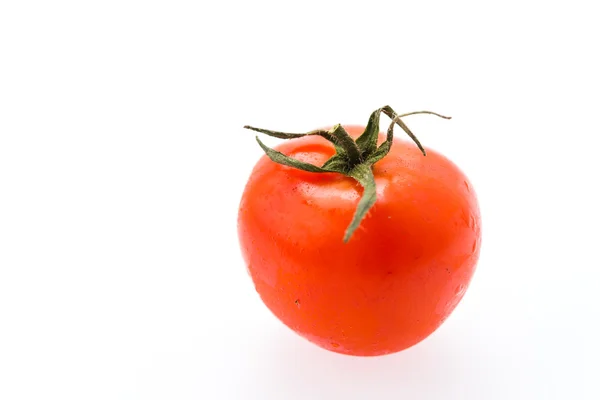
<point>122,161</point>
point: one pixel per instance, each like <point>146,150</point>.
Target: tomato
<point>400,274</point>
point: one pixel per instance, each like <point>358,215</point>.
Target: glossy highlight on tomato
<point>397,278</point>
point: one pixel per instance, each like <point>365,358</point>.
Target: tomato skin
<point>398,278</point>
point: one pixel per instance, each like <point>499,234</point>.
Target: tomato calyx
<point>353,158</point>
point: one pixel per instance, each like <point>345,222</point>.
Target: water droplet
<point>335,345</point>
<point>459,289</point>
<point>467,186</point>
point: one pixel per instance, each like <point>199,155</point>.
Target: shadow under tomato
<point>434,368</point>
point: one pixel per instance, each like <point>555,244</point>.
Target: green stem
<point>423,112</point>
<point>337,135</point>
<point>281,158</point>
<point>363,173</point>
<point>348,144</point>
<point>354,159</point>
<point>387,110</point>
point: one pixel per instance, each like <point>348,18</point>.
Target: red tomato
<point>398,277</point>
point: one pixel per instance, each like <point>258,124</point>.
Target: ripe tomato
<point>399,276</point>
